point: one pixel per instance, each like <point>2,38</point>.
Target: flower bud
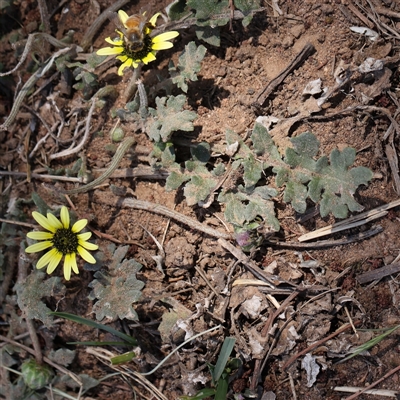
<point>118,135</point>
<point>36,376</point>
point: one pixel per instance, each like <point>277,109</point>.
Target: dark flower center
<point>65,241</point>
<point>138,54</point>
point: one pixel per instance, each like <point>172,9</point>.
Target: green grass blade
<point>223,357</point>
<point>122,358</point>
<point>369,344</point>
<point>222,388</point>
<point>75,318</point>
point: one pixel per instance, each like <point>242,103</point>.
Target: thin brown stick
<point>360,16</point>
<point>387,12</point>
<point>159,209</point>
<point>291,380</point>
<point>44,16</point>
<point>258,365</point>
<point>96,24</point>
<point>329,243</point>
<point>378,273</point>
<point>393,160</point>
<point>316,344</point>
<point>35,340</point>
<point>26,224</point>
<point>277,312</point>
<point>380,24</point>
<point>372,385</point>
<point>307,50</point>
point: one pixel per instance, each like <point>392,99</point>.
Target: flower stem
<point>23,265</point>
<point>132,86</point>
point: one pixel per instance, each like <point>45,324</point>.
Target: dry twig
<point>378,273</point>
<point>307,50</point>
<point>351,222</point>
<point>258,367</point>
<point>98,22</point>
<point>159,209</point>
<point>372,385</point>
<point>293,358</point>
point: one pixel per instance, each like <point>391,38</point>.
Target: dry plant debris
<point>207,179</point>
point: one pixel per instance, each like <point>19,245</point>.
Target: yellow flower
<point>64,241</point>
<point>145,55</point>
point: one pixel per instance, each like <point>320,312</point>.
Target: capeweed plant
<point>330,181</point>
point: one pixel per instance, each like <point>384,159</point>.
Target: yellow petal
<point>126,64</point>
<point>122,58</point>
<point>153,19</point>
<point>84,236</point>
<point>43,221</point>
<point>123,16</point>
<point>70,263</point>
<point>161,46</point>
<point>37,235</point>
<point>37,247</point>
<point>54,221</point>
<point>55,260</point>
<point>165,36</point>
<point>149,58</point>
<point>109,51</point>
<point>79,225</point>
<point>73,263</point>
<point>64,215</point>
<point>88,245</point>
<point>53,257</point>
<point>115,42</point>
<point>86,255</point>
<point>67,270</point>
<point>45,259</point>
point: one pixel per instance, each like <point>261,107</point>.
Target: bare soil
<point>230,80</point>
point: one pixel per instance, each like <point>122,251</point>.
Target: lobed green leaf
<point>210,12</point>
<point>189,65</point>
<point>118,289</point>
<point>170,117</point>
<point>31,292</point>
<point>247,7</point>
